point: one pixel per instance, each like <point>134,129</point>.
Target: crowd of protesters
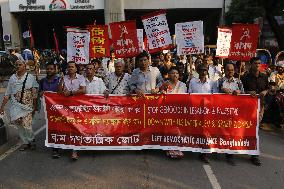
<point>156,73</point>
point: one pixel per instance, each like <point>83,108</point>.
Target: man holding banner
<point>146,78</point>
<point>72,84</point>
<point>230,85</point>
<point>256,83</point>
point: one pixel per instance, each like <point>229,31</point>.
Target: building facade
<point>42,17</point>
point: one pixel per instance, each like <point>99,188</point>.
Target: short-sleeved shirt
<point>145,81</point>
<point>196,86</point>
<point>117,85</point>
<point>46,85</point>
<point>253,83</point>
<point>215,72</point>
<point>233,84</point>
<point>74,84</point>
<point>15,84</point>
<point>96,86</point>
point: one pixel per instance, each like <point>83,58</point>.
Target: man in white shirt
<point>94,85</point>
<point>72,84</point>
<point>118,81</point>
<point>233,86</point>
<point>202,85</point>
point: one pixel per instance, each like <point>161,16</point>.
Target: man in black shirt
<point>256,83</point>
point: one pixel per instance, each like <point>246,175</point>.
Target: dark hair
<point>94,61</point>
<point>272,83</point>
<point>200,66</point>
<point>173,68</point>
<point>229,64</point>
<point>178,64</point>
<point>71,62</point>
<point>238,63</point>
<point>254,59</point>
<point>50,64</point>
<point>164,71</point>
<point>90,64</point>
<point>143,54</point>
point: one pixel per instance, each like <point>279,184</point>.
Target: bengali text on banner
<point>199,123</point>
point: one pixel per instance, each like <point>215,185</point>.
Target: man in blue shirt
<point>50,83</point>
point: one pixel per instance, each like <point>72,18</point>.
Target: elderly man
<point>22,91</point>
<point>72,84</point>
<point>202,85</point>
<point>118,81</point>
<point>145,78</point>
<point>230,85</point>
<point>256,83</point>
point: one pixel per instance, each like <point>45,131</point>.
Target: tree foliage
<point>245,11</point>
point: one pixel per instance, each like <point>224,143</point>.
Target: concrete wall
<point>10,24</point>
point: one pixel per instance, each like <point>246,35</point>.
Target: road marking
<point>213,180</point>
<point>18,145</point>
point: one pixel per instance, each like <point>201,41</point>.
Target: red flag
<point>31,35</point>
<point>244,41</point>
<point>124,38</point>
<point>55,42</point>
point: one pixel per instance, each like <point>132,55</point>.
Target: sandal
<point>25,147</point>
<point>174,154</point>
<point>74,156</point>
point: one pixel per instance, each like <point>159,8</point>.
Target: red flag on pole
<point>31,35</point>
<point>55,42</point>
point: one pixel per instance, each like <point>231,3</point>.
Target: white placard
<point>26,34</point>
<point>223,42</point>
<point>157,31</point>
<point>189,38</point>
<point>78,45</point>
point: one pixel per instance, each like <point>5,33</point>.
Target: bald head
<point>229,70</point>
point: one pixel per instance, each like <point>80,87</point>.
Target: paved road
<point>140,169</point>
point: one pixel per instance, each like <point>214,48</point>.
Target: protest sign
<point>200,123</point>
<point>189,38</point>
<point>78,41</point>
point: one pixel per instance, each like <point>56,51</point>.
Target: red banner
<point>124,38</point>
<point>244,41</point>
<point>200,123</point>
<point>99,41</point>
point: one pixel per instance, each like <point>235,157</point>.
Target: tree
<point>245,11</point>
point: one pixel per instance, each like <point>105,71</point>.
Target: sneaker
<point>24,147</point>
<point>231,161</point>
<point>74,156</point>
<point>256,161</point>
<point>266,127</point>
<point>32,146</point>
<point>55,155</point>
<point>204,158</point>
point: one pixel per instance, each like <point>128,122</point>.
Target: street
<point>140,169</point>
